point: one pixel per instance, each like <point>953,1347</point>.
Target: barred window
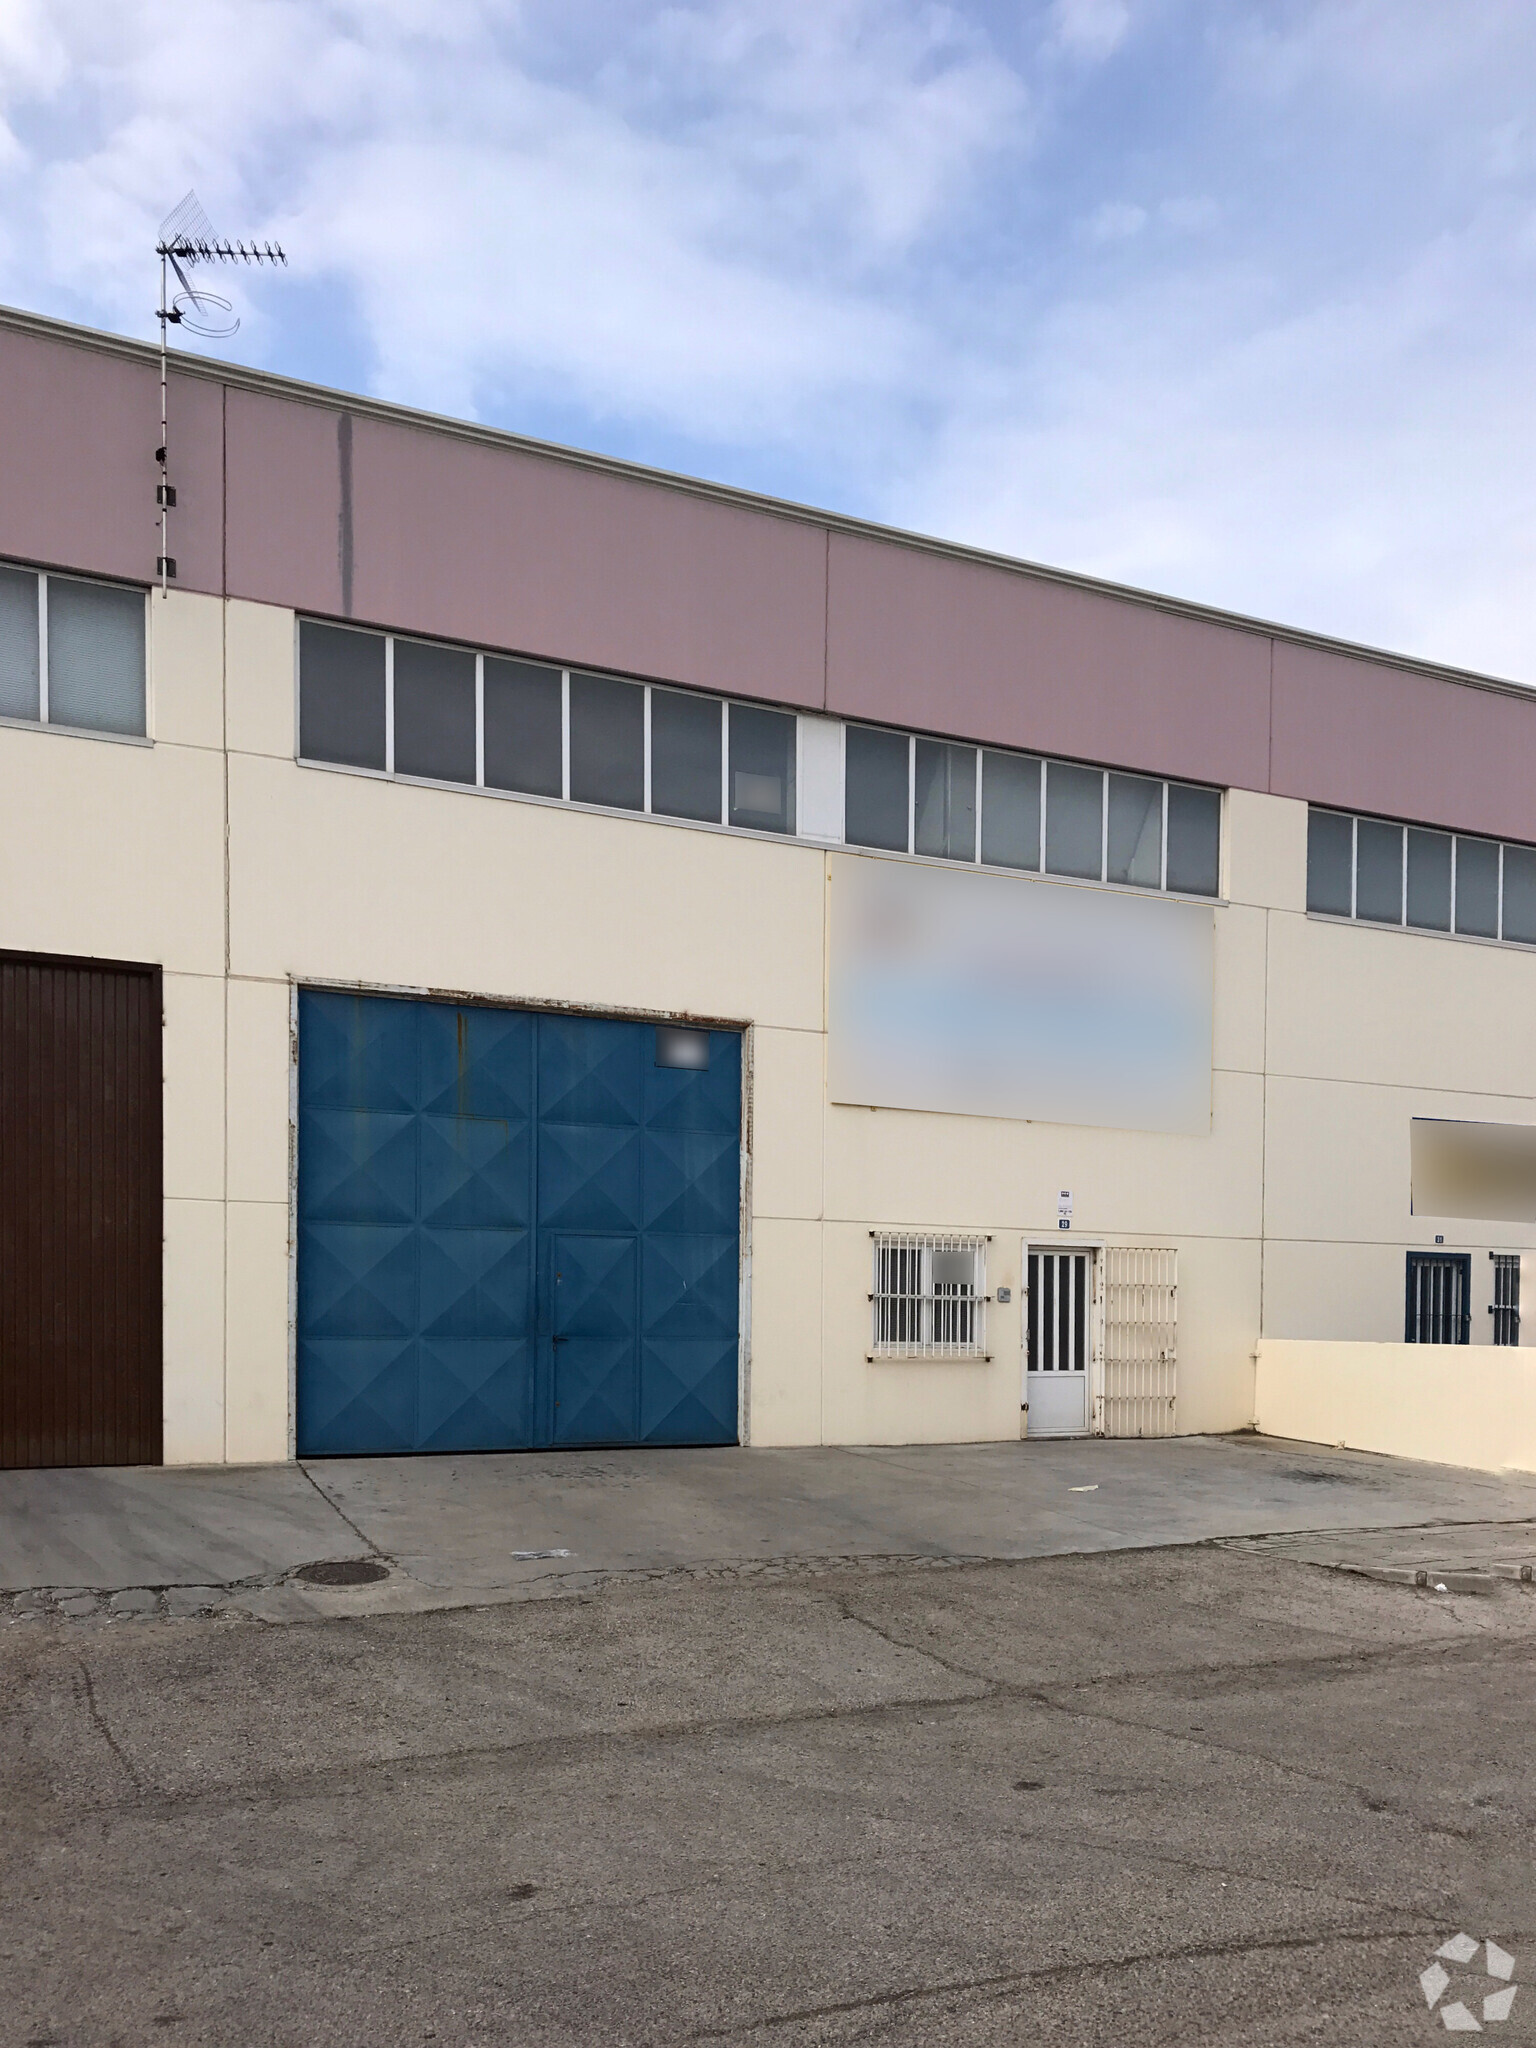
<point>929,1297</point>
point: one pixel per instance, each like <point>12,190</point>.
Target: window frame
<point>924,1302</point>
<point>1404,826</point>
<point>43,722</point>
<point>1040,871</point>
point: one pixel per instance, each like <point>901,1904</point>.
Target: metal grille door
<point>1139,1389</point>
<point>515,1229</point>
<point>1506,1297</point>
<point>81,1215</point>
<point>1058,1326</point>
<point>1439,1298</point>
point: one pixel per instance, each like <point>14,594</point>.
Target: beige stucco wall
<point>215,854</point>
<point>1439,1402</point>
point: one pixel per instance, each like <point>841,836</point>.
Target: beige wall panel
<point>1318,1290</point>
<point>1315,1289</point>
<point>194,1333</point>
<point>1337,1161</point>
<point>1218,1329</point>
<point>1266,850</point>
<point>186,669</point>
<point>787,1092</point>
<point>1430,1401</point>
<point>900,1401</point>
<point>260,1064</point>
<point>193,1050</point>
<point>257,1423</point>
<point>784,1389</point>
<point>920,1171</point>
<point>112,851</point>
<point>1237,1023</point>
<point>1347,1002</point>
<point>260,688</point>
<point>352,878</point>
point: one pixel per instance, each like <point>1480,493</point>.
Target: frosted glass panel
<point>1477,888</point>
<point>1520,894</point>
<point>1194,839</point>
<point>1379,871</point>
<point>1429,880</point>
<point>341,696</point>
<point>685,756</point>
<point>18,644</point>
<point>1330,863</point>
<point>1010,810</point>
<point>434,712</point>
<point>1074,820</point>
<point>607,742</point>
<point>945,801</point>
<point>95,656</point>
<point>523,746</point>
<point>762,782</point>
<point>1135,831</point>
<point>876,792</point>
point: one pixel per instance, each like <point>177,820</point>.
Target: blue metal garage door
<point>515,1229</point>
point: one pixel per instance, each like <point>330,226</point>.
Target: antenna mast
<point>187,239</point>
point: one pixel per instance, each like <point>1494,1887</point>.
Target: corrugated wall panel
<point>80,1212</point>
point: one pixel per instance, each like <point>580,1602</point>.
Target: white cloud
<point>1115,221</point>
<point>1093,29</point>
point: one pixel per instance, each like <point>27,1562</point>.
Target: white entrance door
<point>1058,1338</point>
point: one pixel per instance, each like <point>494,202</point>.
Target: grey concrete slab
<point>120,1527</point>
<point>460,1531</point>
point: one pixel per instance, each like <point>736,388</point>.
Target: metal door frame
<point>607,1012</point>
<point>1062,1241</point>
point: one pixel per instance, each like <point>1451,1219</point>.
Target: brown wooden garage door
<point>80,1212</point>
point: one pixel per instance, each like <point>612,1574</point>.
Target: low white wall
<point>1452,1404</point>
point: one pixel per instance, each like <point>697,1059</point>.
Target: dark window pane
<point>1074,820</point>
<point>1429,880</point>
<point>1010,810</point>
<point>607,742</point>
<point>434,712</point>
<point>944,818</point>
<point>18,644</point>
<point>1477,887</point>
<point>95,656</point>
<point>523,745</point>
<point>1330,861</point>
<point>341,695</point>
<point>1379,871</point>
<point>875,775</point>
<point>762,769</point>
<point>685,755</point>
<point>1135,831</point>
<point>1520,894</point>
<point>1194,840</point>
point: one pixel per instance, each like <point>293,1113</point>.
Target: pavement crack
<point>341,1513</point>
<point>103,1728</point>
<point>998,1983</point>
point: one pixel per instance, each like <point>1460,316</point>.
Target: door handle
<point>559,1340</point>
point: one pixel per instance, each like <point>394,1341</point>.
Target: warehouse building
<point>504,948</point>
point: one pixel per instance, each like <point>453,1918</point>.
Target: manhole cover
<point>344,1571</point>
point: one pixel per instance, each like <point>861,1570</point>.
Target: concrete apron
<point>436,1532</point>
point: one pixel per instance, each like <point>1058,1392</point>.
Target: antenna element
<point>187,239</point>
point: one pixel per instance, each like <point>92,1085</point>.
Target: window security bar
<point>1506,1297</point>
<point>929,1296</point>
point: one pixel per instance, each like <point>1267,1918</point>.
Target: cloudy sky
<point>1231,300</point>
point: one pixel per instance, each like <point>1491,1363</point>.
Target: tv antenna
<point>187,239</point>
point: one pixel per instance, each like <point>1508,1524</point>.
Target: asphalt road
<point>1171,1795</point>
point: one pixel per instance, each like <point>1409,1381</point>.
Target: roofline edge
<point>273,383</point>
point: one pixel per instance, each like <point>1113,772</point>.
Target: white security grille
<point>929,1297</point>
<point>1140,1380</point>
